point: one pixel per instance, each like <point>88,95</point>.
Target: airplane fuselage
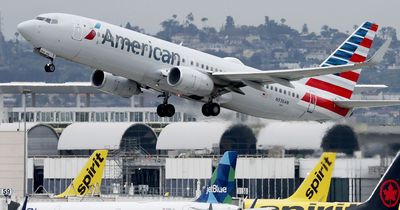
<point>145,59</point>
<point>285,205</point>
<point>162,205</point>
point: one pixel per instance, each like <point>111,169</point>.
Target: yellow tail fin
<point>89,179</point>
<point>315,187</point>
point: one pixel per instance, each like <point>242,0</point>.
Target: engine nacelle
<point>115,85</point>
<point>188,81</point>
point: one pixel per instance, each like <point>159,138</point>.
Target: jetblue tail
<point>222,183</point>
<point>387,193</point>
<point>354,50</point>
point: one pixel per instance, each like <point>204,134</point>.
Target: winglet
<point>88,182</point>
<point>378,56</point>
<point>315,187</point>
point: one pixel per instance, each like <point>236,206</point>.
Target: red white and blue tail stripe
<point>354,50</point>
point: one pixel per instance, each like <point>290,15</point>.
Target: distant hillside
<point>272,45</point>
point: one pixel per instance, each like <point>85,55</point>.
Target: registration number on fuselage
<point>282,101</point>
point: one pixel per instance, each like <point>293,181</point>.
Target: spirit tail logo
<point>315,186</point>
<point>89,179</point>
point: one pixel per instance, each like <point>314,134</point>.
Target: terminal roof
<point>48,88</point>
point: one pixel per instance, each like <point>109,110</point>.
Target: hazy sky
<point>341,14</point>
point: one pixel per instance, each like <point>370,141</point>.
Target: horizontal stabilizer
<point>366,103</point>
<point>361,88</point>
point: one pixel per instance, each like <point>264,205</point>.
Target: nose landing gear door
<point>77,32</point>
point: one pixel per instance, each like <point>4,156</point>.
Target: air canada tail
<point>222,183</point>
<point>354,50</point>
<point>315,187</point>
<point>386,194</point>
<point>88,181</point>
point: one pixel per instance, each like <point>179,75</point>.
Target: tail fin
<point>222,183</point>
<point>24,204</point>
<point>387,193</point>
<point>354,50</point>
<point>315,187</point>
<point>89,179</point>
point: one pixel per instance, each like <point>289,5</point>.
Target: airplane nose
<point>27,29</point>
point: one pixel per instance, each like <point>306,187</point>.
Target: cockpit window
<point>47,20</point>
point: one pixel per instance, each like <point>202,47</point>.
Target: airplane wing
<point>366,103</point>
<point>285,76</point>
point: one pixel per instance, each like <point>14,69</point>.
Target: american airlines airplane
<point>216,196</point>
<point>127,62</point>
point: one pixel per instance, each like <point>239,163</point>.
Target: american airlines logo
<point>216,189</point>
<point>142,49</point>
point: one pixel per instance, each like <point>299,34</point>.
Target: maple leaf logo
<point>389,193</point>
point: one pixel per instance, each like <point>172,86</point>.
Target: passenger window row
<point>282,91</point>
<point>203,66</point>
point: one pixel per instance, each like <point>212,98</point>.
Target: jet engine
<point>115,85</point>
<point>189,81</point>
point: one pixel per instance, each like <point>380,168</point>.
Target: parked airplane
<point>128,62</point>
<point>88,181</point>
<point>217,195</point>
<point>314,188</point>
<point>385,196</point>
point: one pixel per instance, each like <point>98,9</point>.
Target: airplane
<point>314,188</point>
<point>216,196</point>
<point>385,196</point>
<point>88,181</point>
<point>128,62</point>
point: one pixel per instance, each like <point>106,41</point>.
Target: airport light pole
<point>24,92</point>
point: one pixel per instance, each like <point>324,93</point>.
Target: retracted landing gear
<point>165,109</point>
<point>210,109</point>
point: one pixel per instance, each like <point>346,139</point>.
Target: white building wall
<point>68,168</point>
<point>264,168</point>
<point>246,168</point>
<point>12,161</point>
<point>188,168</point>
<point>62,168</point>
<point>344,168</point>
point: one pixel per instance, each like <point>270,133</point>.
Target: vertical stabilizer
<point>386,195</point>
<point>354,50</point>
<point>315,187</point>
<point>222,183</point>
<point>88,182</point>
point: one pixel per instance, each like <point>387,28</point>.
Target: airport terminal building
<point>140,163</point>
<point>153,156</point>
